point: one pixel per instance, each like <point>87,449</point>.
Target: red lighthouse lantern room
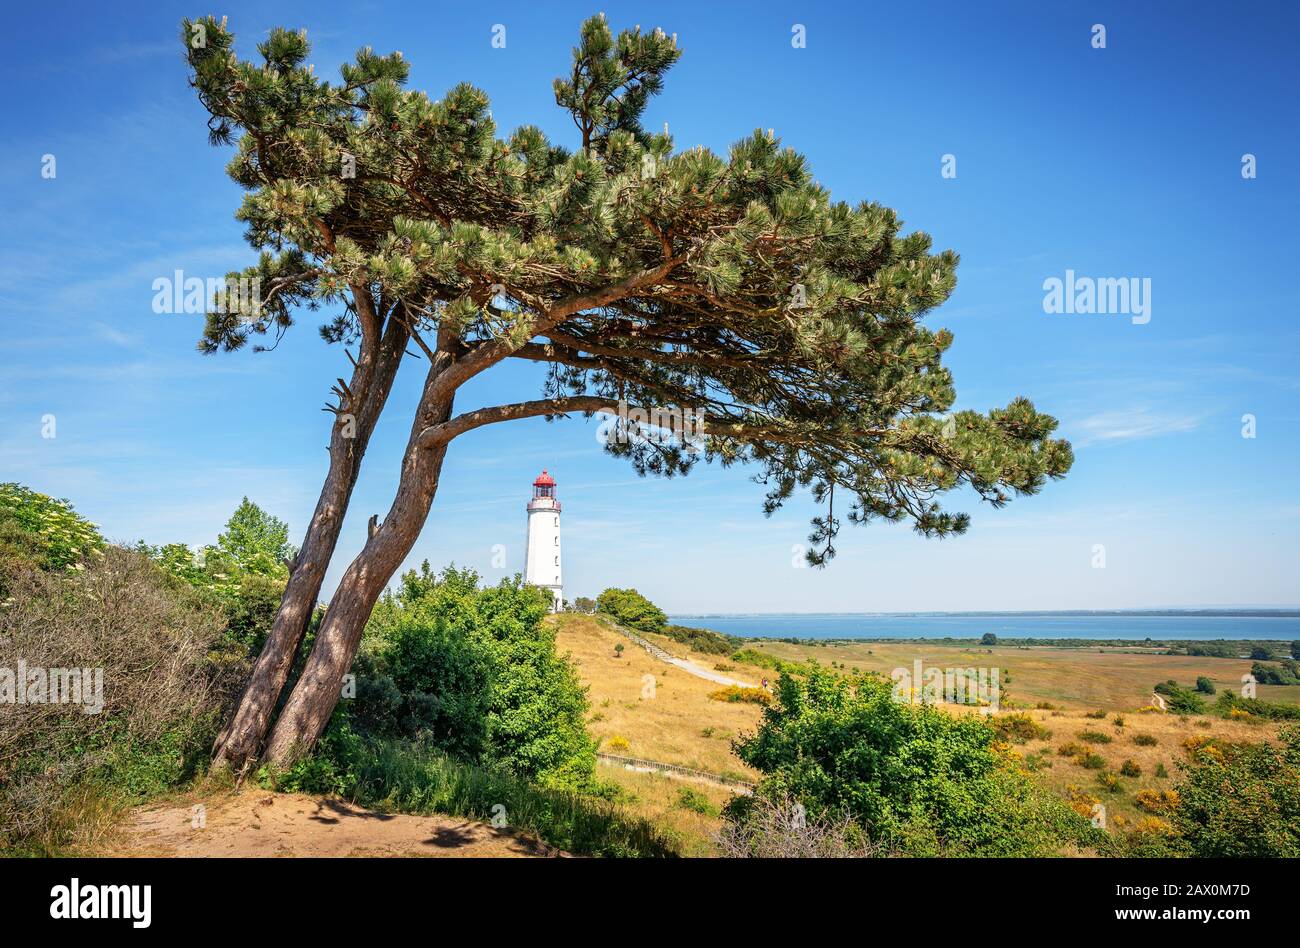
<point>544,486</point>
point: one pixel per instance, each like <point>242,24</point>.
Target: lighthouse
<point>542,562</point>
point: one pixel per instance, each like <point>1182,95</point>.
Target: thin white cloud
<point>1133,424</point>
<point>115,336</point>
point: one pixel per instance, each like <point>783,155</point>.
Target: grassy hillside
<point>1091,699</point>
<point>676,722</point>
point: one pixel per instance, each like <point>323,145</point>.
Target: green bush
<point>1019,728</point>
<point>1271,710</point>
<point>1204,685</point>
<point>1180,700</point>
<point>703,640</point>
<point>691,799</point>
<point>1216,649</point>
<point>1130,768</point>
<point>1241,799</point>
<point>750,656</point>
<point>244,572</point>
<point>474,671</point>
<point>1145,740</point>
<point>168,677</point>
<point>1095,737</point>
<point>736,694</point>
<point>1273,674</point>
<point>924,781</point>
<point>629,608</point>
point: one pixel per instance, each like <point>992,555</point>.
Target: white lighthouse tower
<point>542,563</point>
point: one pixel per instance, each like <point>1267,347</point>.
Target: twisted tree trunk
<point>317,691</point>
<point>241,739</point>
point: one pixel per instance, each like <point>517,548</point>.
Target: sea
<point>1277,625</point>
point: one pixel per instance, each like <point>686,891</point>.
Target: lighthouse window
<point>557,523</point>
<point>557,541</point>
<point>557,561</point>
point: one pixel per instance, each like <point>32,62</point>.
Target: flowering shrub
<point>735,693</point>
<point>43,531</point>
<point>1157,801</point>
<point>1240,800</point>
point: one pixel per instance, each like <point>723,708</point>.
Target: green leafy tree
<point>725,300</point>
<point>1261,654</point>
<point>255,540</point>
<point>628,607</point>
<point>988,638</point>
<point>1205,686</point>
<point>918,779</point>
<point>1295,650</point>
<point>1273,674</point>
<point>244,572</point>
<point>584,604</point>
<point>1217,649</point>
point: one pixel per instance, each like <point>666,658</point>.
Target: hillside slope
<point>662,712</point>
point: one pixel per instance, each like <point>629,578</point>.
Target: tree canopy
<point>255,539</point>
<point>628,607</point>
<point>729,286</point>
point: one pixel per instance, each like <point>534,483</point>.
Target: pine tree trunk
<point>318,689</point>
<point>241,739</point>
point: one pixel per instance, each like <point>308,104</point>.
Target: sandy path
<point>685,664</point>
<point>255,823</point>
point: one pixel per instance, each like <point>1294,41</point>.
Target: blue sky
<point>1116,162</point>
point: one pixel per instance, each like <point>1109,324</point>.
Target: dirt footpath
<point>256,823</point>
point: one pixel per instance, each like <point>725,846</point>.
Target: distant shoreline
<point>1145,628</point>
<point>1282,645</point>
<point>1287,613</point>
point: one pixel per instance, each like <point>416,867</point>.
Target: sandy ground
<point>256,823</point>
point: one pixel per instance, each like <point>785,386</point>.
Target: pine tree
<point>728,299</point>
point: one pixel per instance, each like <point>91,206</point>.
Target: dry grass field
<point>664,801</point>
<point>675,721</point>
<point>678,723</point>
<point>1112,679</point>
<point>1114,739</point>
